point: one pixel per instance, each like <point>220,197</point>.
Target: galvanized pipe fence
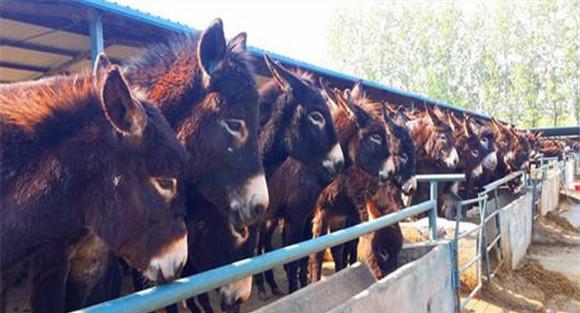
<point>160,296</point>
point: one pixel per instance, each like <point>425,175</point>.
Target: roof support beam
<point>96,34</point>
<point>23,67</point>
<point>36,47</point>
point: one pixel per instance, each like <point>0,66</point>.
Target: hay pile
<point>550,282</point>
<point>561,222</point>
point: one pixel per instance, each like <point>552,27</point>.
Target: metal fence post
<point>433,212</point>
<point>455,257</point>
<point>96,34</point>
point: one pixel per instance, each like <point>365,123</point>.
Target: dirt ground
<point>548,280</point>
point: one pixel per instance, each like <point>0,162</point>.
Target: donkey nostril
<point>258,211</point>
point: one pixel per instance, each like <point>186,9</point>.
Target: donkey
<point>220,242</point>
<point>296,123</point>
<point>403,182</point>
<point>436,148</point>
<point>363,133</point>
<point>101,162</point>
<point>206,89</point>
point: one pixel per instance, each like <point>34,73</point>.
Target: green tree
<point>517,60</point>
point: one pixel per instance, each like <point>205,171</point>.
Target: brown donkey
<point>83,155</point>
<point>363,133</point>
<point>205,88</point>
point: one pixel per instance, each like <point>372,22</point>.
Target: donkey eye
<point>475,152</point>
<point>165,186</point>
<point>235,127</point>
<point>317,119</point>
<point>376,138</point>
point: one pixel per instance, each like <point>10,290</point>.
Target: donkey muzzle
<point>167,265</point>
<point>387,169</point>
<point>453,159</point>
<point>409,186</point>
<point>334,161</point>
<point>490,161</point>
<point>253,202</point>
<point>235,293</point>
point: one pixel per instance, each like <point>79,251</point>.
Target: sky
<point>295,29</point>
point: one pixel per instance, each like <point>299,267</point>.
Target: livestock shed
<point>46,37</point>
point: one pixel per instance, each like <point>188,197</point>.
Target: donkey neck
<point>279,107</point>
<point>170,76</point>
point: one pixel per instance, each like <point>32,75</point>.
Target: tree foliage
<point>518,61</point>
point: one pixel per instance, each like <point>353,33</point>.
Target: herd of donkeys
<point>178,161</point>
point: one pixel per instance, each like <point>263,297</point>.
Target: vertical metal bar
<point>433,212</point>
<point>484,242</point>
<point>455,261</point>
<point>96,34</point>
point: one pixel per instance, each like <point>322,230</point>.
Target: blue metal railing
<point>160,296</point>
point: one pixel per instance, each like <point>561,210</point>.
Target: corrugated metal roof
<point>31,57</point>
<point>77,42</point>
<point>46,36</point>
<point>11,75</point>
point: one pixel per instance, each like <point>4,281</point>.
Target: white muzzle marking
<point>477,171</point>
<point>509,157</point>
<point>255,195</point>
<point>453,159</point>
<point>237,290</point>
<point>388,168</point>
<point>407,199</point>
<point>333,159</point>
<point>166,265</point>
<point>490,161</point>
<point>410,185</point>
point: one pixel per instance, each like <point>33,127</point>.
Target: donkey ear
<point>432,116</point>
<point>328,94</point>
<point>467,128</point>
<point>102,64</point>
<point>238,43</point>
<point>125,113</point>
<point>211,51</point>
<point>357,91</point>
<point>285,79</point>
<point>372,210</point>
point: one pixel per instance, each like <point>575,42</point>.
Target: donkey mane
<point>170,75</point>
<point>33,106</point>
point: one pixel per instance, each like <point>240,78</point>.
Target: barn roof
<point>42,38</point>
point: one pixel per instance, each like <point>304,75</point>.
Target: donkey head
<point>434,140</point>
<point>309,135</point>
<point>222,132</point>
<point>471,150</point>
<point>403,151</point>
<point>503,143</point>
<point>145,223</point>
<point>363,134</point>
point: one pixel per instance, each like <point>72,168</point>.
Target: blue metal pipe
<point>158,297</point>
<point>440,177</point>
<point>433,211</point>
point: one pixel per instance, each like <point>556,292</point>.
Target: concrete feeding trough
<point>422,283</point>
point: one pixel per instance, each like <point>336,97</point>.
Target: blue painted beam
<point>176,27</point>
<point>96,39</point>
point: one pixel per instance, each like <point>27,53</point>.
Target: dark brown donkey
<point>205,88</point>
<point>436,149</point>
<point>362,132</point>
<point>297,123</point>
<point>82,155</point>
